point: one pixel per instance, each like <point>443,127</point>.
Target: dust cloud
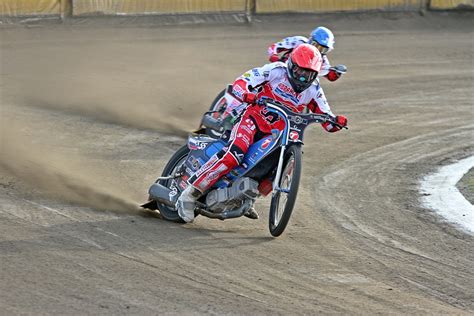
<point>59,175</point>
<point>101,75</point>
<point>108,79</point>
<point>120,114</point>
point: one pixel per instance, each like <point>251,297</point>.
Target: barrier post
<point>424,6</point>
<point>66,9</point>
<point>250,9</point>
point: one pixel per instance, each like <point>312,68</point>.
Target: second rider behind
<point>292,84</point>
<point>322,38</point>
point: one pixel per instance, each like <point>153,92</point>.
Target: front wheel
<point>283,200</point>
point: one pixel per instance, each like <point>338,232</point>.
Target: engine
<point>220,200</point>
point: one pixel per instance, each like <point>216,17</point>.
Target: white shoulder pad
<point>258,75</point>
<point>277,64</point>
<point>275,70</point>
<point>291,42</point>
<point>267,68</point>
<point>294,40</point>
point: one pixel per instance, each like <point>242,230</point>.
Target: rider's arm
<point>319,105</point>
<point>325,67</point>
<point>329,72</point>
<point>245,88</point>
<point>280,51</point>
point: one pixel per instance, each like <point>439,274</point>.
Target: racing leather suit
<point>280,51</point>
<point>255,122</point>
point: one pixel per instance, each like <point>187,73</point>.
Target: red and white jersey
<point>272,81</point>
<point>281,50</point>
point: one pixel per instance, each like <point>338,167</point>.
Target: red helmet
<point>304,65</point>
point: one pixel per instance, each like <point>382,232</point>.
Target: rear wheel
<point>173,166</point>
<point>284,199</point>
<point>218,106</point>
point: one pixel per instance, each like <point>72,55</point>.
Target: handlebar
<point>309,117</point>
<point>342,69</point>
<point>217,124</point>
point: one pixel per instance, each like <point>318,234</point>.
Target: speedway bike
<point>272,165</point>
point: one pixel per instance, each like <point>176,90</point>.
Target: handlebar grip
<point>340,126</point>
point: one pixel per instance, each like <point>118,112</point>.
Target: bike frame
<point>295,124</point>
<point>284,142</point>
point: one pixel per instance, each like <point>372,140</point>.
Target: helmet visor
<point>303,75</point>
<point>322,49</point>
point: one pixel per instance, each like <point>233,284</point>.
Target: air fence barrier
<point>84,8</point>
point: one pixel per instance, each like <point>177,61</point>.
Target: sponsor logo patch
<point>265,143</point>
<point>238,155</point>
<point>194,163</point>
<point>213,175</point>
<point>294,135</point>
<point>238,91</point>
<point>286,93</point>
<point>206,166</point>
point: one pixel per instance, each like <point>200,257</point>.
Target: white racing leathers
<point>255,121</point>
<point>271,80</point>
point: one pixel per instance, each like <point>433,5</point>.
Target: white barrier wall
<point>150,7</point>
<point>273,6</point>
<point>29,7</point>
<point>450,4</point>
<point>113,7</point>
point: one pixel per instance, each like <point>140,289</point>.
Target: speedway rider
<point>321,38</point>
<point>293,84</point>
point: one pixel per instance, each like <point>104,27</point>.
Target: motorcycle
<point>272,164</point>
<point>224,108</point>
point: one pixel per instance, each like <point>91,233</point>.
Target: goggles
<point>322,49</point>
<point>303,75</point>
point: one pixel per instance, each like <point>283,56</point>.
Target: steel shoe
<point>251,213</point>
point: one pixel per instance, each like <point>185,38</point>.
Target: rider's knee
<point>237,152</point>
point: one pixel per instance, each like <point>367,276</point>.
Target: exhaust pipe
<point>163,195</point>
<point>227,214</point>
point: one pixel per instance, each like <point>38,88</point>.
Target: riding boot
<point>186,203</point>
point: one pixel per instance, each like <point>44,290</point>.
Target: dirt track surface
<point>87,115</point>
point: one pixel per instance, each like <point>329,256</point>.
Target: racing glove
<point>336,72</point>
<point>281,55</point>
<point>333,75</point>
<point>339,123</point>
<point>274,58</point>
<point>341,120</point>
